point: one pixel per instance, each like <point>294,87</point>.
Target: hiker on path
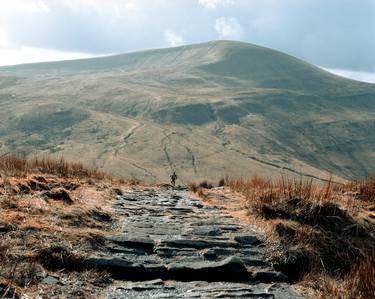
<point>173,178</point>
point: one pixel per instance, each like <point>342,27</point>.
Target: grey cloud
<point>338,34</point>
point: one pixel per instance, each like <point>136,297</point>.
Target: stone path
<point>171,246</point>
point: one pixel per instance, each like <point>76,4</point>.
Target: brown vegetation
<point>325,232</point>
<point>13,165</point>
<point>52,213</point>
<point>366,190</point>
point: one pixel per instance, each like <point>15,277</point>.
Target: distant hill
<point>206,110</point>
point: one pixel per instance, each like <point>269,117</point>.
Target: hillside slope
<point>203,110</point>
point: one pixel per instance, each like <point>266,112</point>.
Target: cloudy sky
<point>338,35</point>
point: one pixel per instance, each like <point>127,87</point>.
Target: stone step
<point>144,244</point>
<point>196,243</point>
<point>173,289</point>
<point>229,269</point>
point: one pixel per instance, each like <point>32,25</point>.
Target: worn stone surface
<point>172,246</point>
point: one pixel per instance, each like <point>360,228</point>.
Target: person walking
<point>173,177</point>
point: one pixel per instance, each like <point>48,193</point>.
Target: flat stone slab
<point>172,246</point>
<point>125,269</point>
<point>230,269</point>
<point>145,244</point>
<point>198,243</point>
<point>201,289</point>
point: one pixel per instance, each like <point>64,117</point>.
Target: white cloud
<point>173,39</point>
<point>228,28</point>
<point>212,4</point>
<point>11,56</point>
<point>4,39</point>
<point>130,6</point>
<point>355,75</point>
<point>101,7</point>
<point>38,6</point>
<point>42,6</point>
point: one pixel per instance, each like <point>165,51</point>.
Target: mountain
<point>206,110</point>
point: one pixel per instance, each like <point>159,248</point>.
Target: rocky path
<point>171,246</point>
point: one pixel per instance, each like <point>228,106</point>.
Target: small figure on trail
<point>173,178</point>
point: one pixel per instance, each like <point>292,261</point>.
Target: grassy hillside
<point>203,110</point>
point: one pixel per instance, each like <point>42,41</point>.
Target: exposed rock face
<point>173,246</point>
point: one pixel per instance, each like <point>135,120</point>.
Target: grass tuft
<point>17,166</point>
<point>367,190</point>
<point>323,230</point>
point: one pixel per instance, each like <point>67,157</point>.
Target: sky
<point>338,35</point>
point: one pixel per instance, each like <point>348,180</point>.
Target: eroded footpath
<point>173,246</point>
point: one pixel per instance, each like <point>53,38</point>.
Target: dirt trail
<point>173,246</point>
<point>127,135</point>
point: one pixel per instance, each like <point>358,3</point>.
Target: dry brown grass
<point>359,283</point>
<point>195,187</point>
<point>327,239</point>
<point>221,183</point>
<point>52,214</point>
<point>201,188</point>
<point>14,165</point>
<point>366,190</point>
